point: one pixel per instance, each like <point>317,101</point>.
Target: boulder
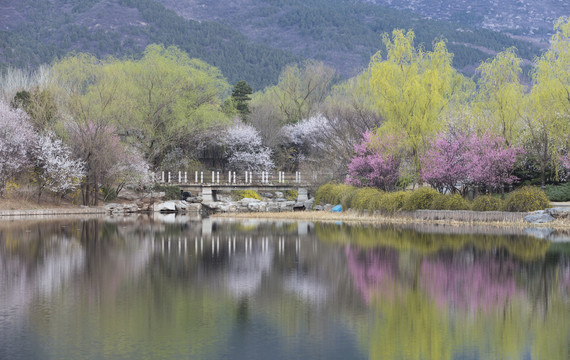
<point>318,208</point>
<point>267,195</point>
<point>272,207</point>
<point>309,203</point>
<point>258,206</point>
<point>538,217</point>
<point>278,194</point>
<point>247,201</point>
<point>167,206</point>
<point>559,212</point>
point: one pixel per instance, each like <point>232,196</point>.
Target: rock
<point>309,204</point>
<point>114,208</point>
<point>559,212</point>
<point>280,200</point>
<point>272,207</point>
<point>259,206</point>
<point>278,194</point>
<point>247,201</point>
<point>539,218</point>
<point>318,208</point>
<point>167,206</point>
<point>327,207</point>
<point>267,195</point>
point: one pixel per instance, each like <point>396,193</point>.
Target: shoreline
<point>355,217</point>
<point>310,215</point>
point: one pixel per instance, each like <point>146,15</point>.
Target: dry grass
<point>355,217</point>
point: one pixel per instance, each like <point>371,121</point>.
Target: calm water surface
<point>222,289</point>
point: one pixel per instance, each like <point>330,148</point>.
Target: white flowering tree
<point>130,169</point>
<point>244,149</point>
<point>16,138</point>
<point>56,169</point>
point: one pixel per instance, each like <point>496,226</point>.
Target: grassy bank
<point>356,217</point>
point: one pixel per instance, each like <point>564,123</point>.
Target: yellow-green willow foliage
<point>412,88</point>
<point>500,97</point>
<point>548,118</point>
<point>157,103</point>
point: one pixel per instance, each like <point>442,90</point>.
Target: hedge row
<point>525,199</point>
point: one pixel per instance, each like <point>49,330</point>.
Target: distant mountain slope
<point>527,17</point>
<point>344,33</point>
<point>38,31</point>
<point>248,40</point>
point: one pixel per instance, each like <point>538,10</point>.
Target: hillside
<point>248,40</point>
<point>38,31</point>
<point>344,33</point>
<point>533,18</point>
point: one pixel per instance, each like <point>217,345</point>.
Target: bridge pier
<point>207,194</point>
<point>302,195</point>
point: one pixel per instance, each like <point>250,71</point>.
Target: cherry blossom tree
<point>56,169</point>
<point>375,164</point>
<point>16,139</point>
<point>244,149</point>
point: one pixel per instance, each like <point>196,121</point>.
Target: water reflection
<point>149,288</point>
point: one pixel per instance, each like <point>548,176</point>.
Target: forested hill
<point>247,39</point>
<point>39,31</point>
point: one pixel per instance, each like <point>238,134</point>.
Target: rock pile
<point>548,215</point>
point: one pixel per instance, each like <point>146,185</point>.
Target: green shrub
<point>366,199</point>
<point>394,201</point>
<point>241,194</point>
<point>291,195</point>
<point>450,202</point>
<point>420,199</point>
<point>487,203</point>
<point>330,194</point>
<point>347,196</point>
<point>558,192</point>
<point>170,192</point>
<point>526,198</point>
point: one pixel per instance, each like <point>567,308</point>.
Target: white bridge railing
<point>229,177</point>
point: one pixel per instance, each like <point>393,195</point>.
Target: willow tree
<point>500,96</point>
<point>168,100</point>
<point>412,88</point>
<point>548,119</point>
<point>88,93</point>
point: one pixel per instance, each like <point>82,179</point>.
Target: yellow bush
<point>420,199</point>
<point>487,203</point>
<point>450,202</point>
<point>394,201</point>
<point>526,198</point>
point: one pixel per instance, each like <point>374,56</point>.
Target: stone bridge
<point>209,183</point>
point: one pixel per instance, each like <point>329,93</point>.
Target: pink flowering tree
<point>375,163</point>
<point>55,167</point>
<point>455,160</point>
<point>16,138</point>
<point>492,162</point>
<point>244,149</point>
<point>447,162</point>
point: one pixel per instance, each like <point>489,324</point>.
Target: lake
<point>190,288</point>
